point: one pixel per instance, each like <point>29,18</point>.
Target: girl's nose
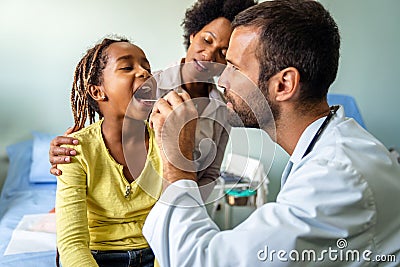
<point>142,73</point>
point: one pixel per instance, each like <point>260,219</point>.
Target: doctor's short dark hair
<point>204,11</point>
<point>295,33</point>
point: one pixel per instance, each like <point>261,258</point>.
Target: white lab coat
<point>338,202</point>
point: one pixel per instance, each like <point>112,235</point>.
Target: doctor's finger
<point>156,121</point>
<point>174,99</point>
<point>184,95</point>
<point>163,107</point>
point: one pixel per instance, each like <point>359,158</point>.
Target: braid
<point>89,72</point>
<point>78,96</point>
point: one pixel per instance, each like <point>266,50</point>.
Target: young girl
<point>101,204</point>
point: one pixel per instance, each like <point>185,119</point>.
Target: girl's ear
<point>97,93</point>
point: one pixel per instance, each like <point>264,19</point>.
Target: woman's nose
<point>213,56</point>
<point>208,56</point>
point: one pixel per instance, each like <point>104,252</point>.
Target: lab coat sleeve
<point>181,233</point>
<point>310,215</point>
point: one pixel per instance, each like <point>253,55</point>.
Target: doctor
<point>340,189</point>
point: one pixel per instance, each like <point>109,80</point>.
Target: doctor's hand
<point>174,119</point>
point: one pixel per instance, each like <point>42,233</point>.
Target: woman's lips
<point>200,66</point>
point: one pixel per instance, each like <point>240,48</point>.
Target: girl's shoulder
<point>89,135</point>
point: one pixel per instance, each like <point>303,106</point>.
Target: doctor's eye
<point>233,67</point>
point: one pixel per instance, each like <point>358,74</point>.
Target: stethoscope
<point>332,112</point>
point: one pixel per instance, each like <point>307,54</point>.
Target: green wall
<point>370,62</point>
<point>43,40</point>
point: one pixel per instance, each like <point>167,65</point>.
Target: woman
<point>207,31</point>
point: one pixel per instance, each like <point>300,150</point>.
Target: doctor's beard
<point>251,112</point>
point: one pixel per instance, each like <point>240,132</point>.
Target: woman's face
<point>126,70</point>
<point>209,44</point>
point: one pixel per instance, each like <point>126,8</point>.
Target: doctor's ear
<point>97,93</point>
<point>286,84</point>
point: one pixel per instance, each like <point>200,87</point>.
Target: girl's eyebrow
<point>127,57</point>
<point>124,57</point>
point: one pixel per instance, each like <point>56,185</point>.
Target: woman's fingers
<point>70,130</point>
<point>61,155</point>
<point>64,140</point>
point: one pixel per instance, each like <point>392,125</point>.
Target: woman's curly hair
<point>204,11</point>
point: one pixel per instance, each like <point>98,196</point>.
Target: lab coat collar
<point>310,132</point>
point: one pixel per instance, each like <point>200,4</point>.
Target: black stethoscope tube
<point>332,111</point>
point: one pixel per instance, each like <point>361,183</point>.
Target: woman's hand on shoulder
<point>61,155</point>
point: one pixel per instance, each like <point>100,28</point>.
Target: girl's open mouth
<point>146,93</point>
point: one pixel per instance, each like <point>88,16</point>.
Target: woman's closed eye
<point>208,39</point>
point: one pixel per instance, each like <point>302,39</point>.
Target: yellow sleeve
<point>71,213</point>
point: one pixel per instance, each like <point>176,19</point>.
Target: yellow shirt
<point>96,207</point>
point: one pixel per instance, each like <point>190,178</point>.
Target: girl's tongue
<point>144,92</point>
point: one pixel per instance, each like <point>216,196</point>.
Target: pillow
<point>40,167</point>
<point>20,157</point>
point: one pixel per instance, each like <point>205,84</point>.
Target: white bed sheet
<point>25,202</point>
<point>19,197</point>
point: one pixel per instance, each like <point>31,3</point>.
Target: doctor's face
<point>247,106</point>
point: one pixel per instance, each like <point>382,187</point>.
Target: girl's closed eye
<point>127,68</point>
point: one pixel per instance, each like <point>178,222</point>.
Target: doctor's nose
<point>223,81</point>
